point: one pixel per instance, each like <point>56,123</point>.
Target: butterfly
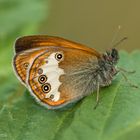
<point>58,71</point>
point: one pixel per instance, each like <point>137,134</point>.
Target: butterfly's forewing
<point>54,82</point>
<point>41,41</point>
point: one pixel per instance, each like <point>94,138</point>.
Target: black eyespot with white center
<point>59,56</point>
<point>42,79</point>
<point>46,88</point>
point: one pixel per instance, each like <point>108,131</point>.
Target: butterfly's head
<point>111,57</point>
<point>108,62</point>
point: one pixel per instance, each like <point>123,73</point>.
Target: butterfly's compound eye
<point>42,79</point>
<point>46,88</point>
<point>59,56</point>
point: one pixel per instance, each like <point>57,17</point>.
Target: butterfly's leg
<point>127,80</point>
<point>125,71</point>
<point>97,95</point>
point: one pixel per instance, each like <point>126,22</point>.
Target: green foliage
<point>17,18</point>
<point>20,15</point>
<point>116,118</point>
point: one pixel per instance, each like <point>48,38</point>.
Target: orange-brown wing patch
<point>36,86</point>
<point>29,42</point>
<point>22,62</point>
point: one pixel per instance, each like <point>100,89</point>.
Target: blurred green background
<point>90,22</point>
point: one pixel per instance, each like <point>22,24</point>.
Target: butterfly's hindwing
<point>66,80</point>
<point>22,62</point>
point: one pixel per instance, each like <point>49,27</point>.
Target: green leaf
<point>116,118</point>
<point>20,14</point>
<point>18,17</point>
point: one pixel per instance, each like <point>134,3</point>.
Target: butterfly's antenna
<point>115,35</point>
<point>119,42</point>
